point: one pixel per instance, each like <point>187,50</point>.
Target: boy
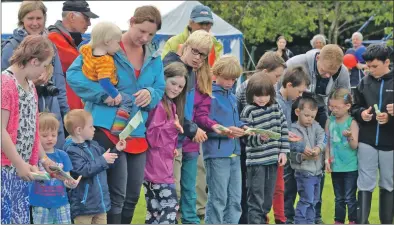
<point>90,200</point>
<point>49,199</point>
<point>222,153</point>
<point>308,165</point>
<point>375,149</point>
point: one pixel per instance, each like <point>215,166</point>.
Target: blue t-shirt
<point>51,193</point>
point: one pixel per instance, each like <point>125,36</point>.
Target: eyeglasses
<point>196,52</point>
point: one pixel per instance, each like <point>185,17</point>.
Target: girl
<point>163,126</point>
<point>263,153</point>
<point>19,129</point>
<point>341,155</point>
<point>194,55</point>
<point>281,49</point>
<point>140,72</point>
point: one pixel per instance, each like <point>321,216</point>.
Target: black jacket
<point>372,91</point>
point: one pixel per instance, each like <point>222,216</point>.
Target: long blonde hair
<point>201,39</point>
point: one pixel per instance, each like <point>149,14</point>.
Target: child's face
<point>295,92</point>
<point>174,86</point>
<point>338,107</point>
<point>113,46</point>
<point>378,68</point>
<point>306,116</point>
<point>261,100</point>
<point>87,132</point>
<point>225,83</point>
<point>48,139</point>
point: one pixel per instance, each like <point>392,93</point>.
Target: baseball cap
<point>79,6</point>
<point>201,13</point>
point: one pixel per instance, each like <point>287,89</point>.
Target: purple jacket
<point>162,137</point>
<point>201,110</point>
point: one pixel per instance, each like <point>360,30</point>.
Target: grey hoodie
<point>308,61</point>
<point>312,136</point>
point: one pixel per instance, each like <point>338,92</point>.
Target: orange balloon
<point>349,60</point>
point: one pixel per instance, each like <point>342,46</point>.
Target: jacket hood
<point>19,34</point>
<point>218,88</point>
<point>58,27</point>
<point>311,57</point>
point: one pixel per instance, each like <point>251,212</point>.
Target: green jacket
<point>173,43</point>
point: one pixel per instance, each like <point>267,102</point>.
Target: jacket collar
<point>59,28</point>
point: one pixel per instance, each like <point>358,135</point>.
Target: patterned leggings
<point>161,203</point>
<point>14,198</point>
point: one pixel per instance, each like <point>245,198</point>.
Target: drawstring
<point>151,188</point>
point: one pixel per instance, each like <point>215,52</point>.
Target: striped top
<point>96,68</point>
<point>270,118</point>
<point>241,95</point>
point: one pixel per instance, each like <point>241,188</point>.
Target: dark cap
<point>201,13</point>
<point>79,6</point>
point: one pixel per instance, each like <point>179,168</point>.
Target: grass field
<point>327,208</point>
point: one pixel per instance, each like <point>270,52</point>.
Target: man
<point>200,19</point>
<point>66,34</point>
<point>357,73</point>
<point>326,73</point>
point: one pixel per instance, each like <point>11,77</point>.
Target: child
<point>98,65</point>
<point>308,165</point>
<point>375,149</point>
<point>222,153</point>
<point>163,126</point>
<point>90,199</point>
<point>341,155</point>
<point>49,198</point>
<point>19,134</point>
<point>263,153</point>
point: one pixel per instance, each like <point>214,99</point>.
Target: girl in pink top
<point>19,126</point>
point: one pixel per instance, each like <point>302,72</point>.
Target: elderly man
<point>66,34</point>
<point>357,73</point>
<point>318,41</point>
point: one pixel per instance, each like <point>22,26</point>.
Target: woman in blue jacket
<point>140,74</point>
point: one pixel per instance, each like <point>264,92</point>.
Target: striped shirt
<point>271,118</point>
<point>241,95</point>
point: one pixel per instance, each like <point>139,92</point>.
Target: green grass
<point>327,208</point>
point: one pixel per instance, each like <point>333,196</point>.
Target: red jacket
<point>68,52</point>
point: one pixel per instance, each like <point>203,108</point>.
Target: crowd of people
<point>199,149</point>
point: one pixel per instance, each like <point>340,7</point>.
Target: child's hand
<point>71,183</point>
<point>46,163</point>
<point>316,151</point>
<point>264,137</point>
<point>236,131</point>
<point>247,133</point>
<point>118,99</point>
<point>110,157</point>
<point>382,118</point>
<point>390,109</point>
<point>121,145</point>
<point>200,136</point>
<point>328,166</point>
<point>109,101</point>
<point>366,115</point>
<point>282,159</point>
<point>178,124</point>
<point>347,133</point>
<point>176,153</point>
<point>308,151</point>
<point>219,129</point>
<point>294,137</point>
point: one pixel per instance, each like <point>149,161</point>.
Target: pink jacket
<point>10,102</point>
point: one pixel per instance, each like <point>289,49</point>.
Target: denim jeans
<point>308,187</point>
<point>188,198</point>
<point>224,192</point>
<point>345,188</point>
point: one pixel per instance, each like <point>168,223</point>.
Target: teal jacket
<point>93,95</point>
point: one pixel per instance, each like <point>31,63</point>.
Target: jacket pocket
<point>85,194</point>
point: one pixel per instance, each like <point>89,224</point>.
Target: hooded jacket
<point>68,52</point>
<point>372,91</point>
<point>54,104</point>
<point>308,62</point>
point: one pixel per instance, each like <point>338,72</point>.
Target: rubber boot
<point>113,218</point>
<point>126,219</point>
<point>386,206</point>
<point>363,206</point>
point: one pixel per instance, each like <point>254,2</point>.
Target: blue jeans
<point>224,192</point>
<point>308,187</point>
<point>345,188</point>
<point>188,198</point>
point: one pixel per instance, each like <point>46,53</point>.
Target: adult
<point>357,73</point>
<point>200,19</point>
<point>194,54</point>
<point>271,65</point>
<point>66,34</point>
<point>31,20</point>
<point>140,73</point>
<point>326,73</point>
<point>318,41</point>
<point>281,49</point>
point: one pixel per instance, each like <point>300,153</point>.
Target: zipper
<point>234,112</point>
<point>85,194</point>
<point>220,140</point>
<point>380,105</point>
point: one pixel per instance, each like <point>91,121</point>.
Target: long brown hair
<point>176,69</point>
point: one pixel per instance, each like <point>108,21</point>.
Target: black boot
<point>363,206</point>
<point>113,218</point>
<point>386,200</point>
<point>127,219</point>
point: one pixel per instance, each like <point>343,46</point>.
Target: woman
<point>318,41</point>
<point>194,55</point>
<point>140,73</point>
<point>281,49</point>
<point>31,20</point>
